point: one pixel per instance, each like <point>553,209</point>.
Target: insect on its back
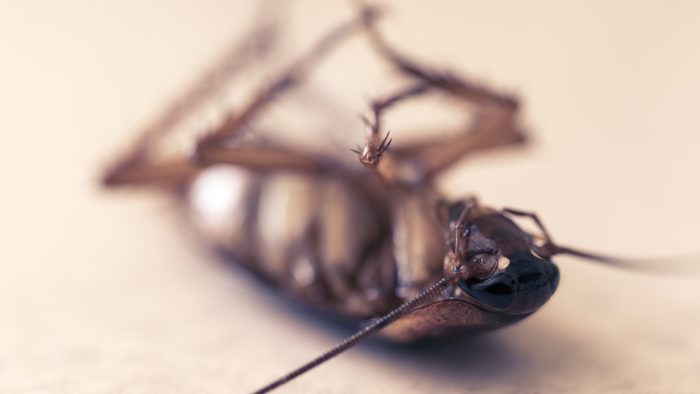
<point>371,241</point>
<point>320,238</point>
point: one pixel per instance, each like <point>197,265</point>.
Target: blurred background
<point>105,292</point>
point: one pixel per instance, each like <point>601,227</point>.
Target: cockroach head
<point>495,262</point>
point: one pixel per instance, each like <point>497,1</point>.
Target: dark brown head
<point>501,271</point>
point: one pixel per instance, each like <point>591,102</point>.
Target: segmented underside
<point>332,240</point>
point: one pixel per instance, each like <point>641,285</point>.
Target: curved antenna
<point>352,340</point>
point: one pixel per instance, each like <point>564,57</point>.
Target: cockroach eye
<point>483,265</point>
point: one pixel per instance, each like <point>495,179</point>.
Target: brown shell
<point>445,317</point>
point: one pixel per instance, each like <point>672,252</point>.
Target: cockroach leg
<point>214,147</point>
<point>376,146</point>
<point>136,165</point>
<point>290,78</point>
<point>496,120</point>
<point>548,247</point>
<point>260,158</point>
<point>138,172</point>
<point>440,79</point>
<point>489,131</point>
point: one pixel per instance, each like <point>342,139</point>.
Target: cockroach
<point>376,241</point>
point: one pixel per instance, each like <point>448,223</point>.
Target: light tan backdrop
<point>105,293</point>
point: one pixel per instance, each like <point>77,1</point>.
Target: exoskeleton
<point>366,240</point>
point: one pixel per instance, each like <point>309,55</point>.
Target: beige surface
<point>104,293</point>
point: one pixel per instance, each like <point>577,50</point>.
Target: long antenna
<point>672,265</point>
<point>350,341</point>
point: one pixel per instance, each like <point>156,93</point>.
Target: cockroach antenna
<point>365,332</point>
<point>673,266</point>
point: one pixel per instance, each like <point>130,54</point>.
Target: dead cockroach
<point>363,241</point>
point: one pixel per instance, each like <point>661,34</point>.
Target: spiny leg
<point>290,78</point>
<point>495,125</point>
<point>371,154</point>
<point>213,148</point>
<point>490,130</point>
<point>136,165</point>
